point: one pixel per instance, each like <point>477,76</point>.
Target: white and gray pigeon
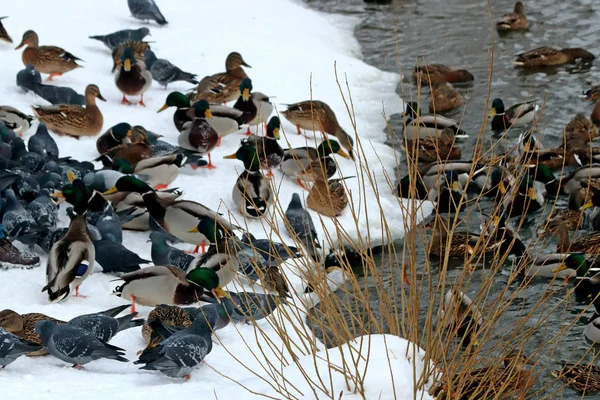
<point>164,72</point>
<point>116,39</point>
<point>58,94</point>
<point>42,143</point>
<point>13,347</point>
<point>146,10</point>
<point>105,327</point>
<point>75,345</point>
<point>300,224</point>
<point>28,77</point>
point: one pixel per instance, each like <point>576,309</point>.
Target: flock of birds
<point>132,191</point>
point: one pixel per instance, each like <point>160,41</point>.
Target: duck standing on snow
<point>182,105</point>
<point>158,172</point>
<point>74,120</point>
<point>15,119</point>
<point>146,10</point>
<point>245,103</point>
<point>198,135</point>
<point>164,72</point>
<point>139,149</point>
<point>132,77</point>
<point>251,193</point>
<point>3,33</point>
<point>46,59</point>
<point>270,153</point>
<point>227,86</point>
<point>23,326</point>
<point>264,109</point>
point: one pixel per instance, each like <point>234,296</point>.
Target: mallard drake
<point>583,378</point>
<point>264,109</point>
<point>461,317</point>
<point>460,244</point>
<point>198,135</point>
<point>444,98</point>
<point>493,181</point>
<point>182,104</point>
<point>316,115</point>
<point>228,83</point>
<point>524,198</point>
<point>437,73</point>
<point>509,381</point>
<point>168,315</point>
<point>421,126</point>
<point>296,162</point>
<point>245,103</point>
<point>139,149</point>
<point>571,216</point>
<point>159,284</point>
<point>270,153</point>
<point>157,172</point>
<point>515,21</point>
<point>557,265</point>
<point>46,59</point>
<point>177,217</point>
<point>3,33</point>
<point>586,175</point>
<point>548,56</point>
<point>71,259</point>
<point>139,49</point>
<point>23,326</point>
<point>517,114</point>
<point>74,120</point>
<point>326,196</point>
<point>432,148</point>
<point>251,193</point>
<point>132,77</point>
<point>115,136</point>
<point>15,120</point>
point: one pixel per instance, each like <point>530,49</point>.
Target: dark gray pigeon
<point>275,253</point>
<point>13,347</point>
<point>75,345</point>
<point>248,306</point>
<point>44,210</point>
<point>58,94</point>
<point>105,327</point>
<point>28,77</point>
<point>164,72</point>
<point>115,39</point>
<point>109,224</point>
<point>18,223</point>
<point>42,143</point>
<point>114,258</point>
<point>300,224</point>
<point>146,10</point>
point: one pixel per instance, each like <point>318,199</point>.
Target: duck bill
<point>502,187</point>
<point>111,190</point>
<point>127,65</point>
<point>561,267</point>
<point>100,97</point>
<point>454,186</point>
<point>531,193</point>
<point>20,45</point>
<point>163,108</point>
<point>276,134</point>
<point>492,113</point>
<point>208,114</point>
<point>246,94</point>
<point>231,156</point>
<point>193,230</point>
<point>343,154</point>
<point>71,176</point>
<point>219,292</point>
<point>59,196</point>
<point>246,64</point>
<point>587,205</point>
<point>128,134</point>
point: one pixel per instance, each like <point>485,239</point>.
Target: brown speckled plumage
<point>227,84</point>
<point>548,56</point>
<point>23,326</point>
<point>437,73</point>
<point>274,281</point>
<point>327,197</point>
<point>138,48</point>
<point>444,98</point>
<point>169,315</point>
<point>139,148</point>
<point>46,59</point>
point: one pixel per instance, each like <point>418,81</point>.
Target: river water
<point>457,33</point>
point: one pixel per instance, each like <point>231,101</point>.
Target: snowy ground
<point>289,47</point>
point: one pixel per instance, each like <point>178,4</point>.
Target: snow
<point>293,51</point>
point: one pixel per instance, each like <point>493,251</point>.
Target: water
<point>457,33</point>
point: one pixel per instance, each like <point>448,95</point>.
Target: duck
<point>444,98</point>
<point>524,198</point>
<point>517,114</point>
<point>437,73</point>
<point>23,326</point>
<point>251,193</point>
<point>198,135</point>
<point>557,266</point>
<point>228,82</point>
<point>73,120</point>
<point>587,243</point>
<point>3,33</point>
<point>264,109</point>
<point>168,315</point>
<point>161,284</point>
<point>139,49</point>
<point>182,104</point>
<point>177,217</point>
<point>157,172</point>
<point>419,126</point>
<point>461,317</point>
<point>583,378</point>
<point>548,56</point>
<point>327,196</point>
<point>579,200</point>
<point>316,115</point>
<point>46,59</point>
<point>296,162</point>
<point>115,136</point>
<point>431,148</point>
<point>139,149</point>
<point>71,259</point>
<point>270,153</point>
<point>164,254</point>
<point>585,176</point>
<point>245,103</point>
<point>582,128</point>
<point>132,77</point>
<point>515,21</point>
<point>15,120</point>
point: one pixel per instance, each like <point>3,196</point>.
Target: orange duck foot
<point>79,295</point>
<point>141,103</point>
<point>53,74</point>
<point>132,304</point>
<point>298,128</point>
<point>161,186</point>
<point>125,101</point>
<point>248,132</point>
<point>301,184</point>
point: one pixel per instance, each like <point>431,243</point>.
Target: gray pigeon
<point>28,77</point>
<point>13,347</point>
<point>58,94</point>
<point>44,210</point>
<point>75,345</point>
<point>109,224</point>
<point>18,223</point>
<point>115,39</point>
<point>164,72</point>
<point>300,224</point>
<point>275,253</point>
<point>104,327</point>
<point>248,306</point>
<point>42,143</point>
<point>146,10</point>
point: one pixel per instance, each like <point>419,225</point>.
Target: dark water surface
<point>457,33</point>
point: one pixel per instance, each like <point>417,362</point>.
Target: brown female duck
<point>515,21</point>
<point>46,59</point>
<point>23,326</point>
<point>437,73</point>
<point>432,148</point>
<point>228,82</point>
<point>444,98</point>
<point>548,56</point>
<point>139,149</point>
<point>74,120</point>
<point>169,315</point>
<point>327,196</point>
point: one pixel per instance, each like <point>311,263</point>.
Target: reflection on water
<point>457,33</point>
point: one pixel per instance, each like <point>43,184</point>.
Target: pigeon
<point>300,224</point>
<point>3,34</point>
<point>58,94</point>
<point>115,39</point>
<point>44,210</point>
<point>42,143</point>
<point>103,326</point>
<point>109,224</point>
<point>18,223</point>
<point>164,254</point>
<point>146,10</point>
<point>164,72</point>
<point>28,77</point>
<point>75,345</point>
<point>13,347</point>
<point>273,252</point>
<point>248,306</point>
